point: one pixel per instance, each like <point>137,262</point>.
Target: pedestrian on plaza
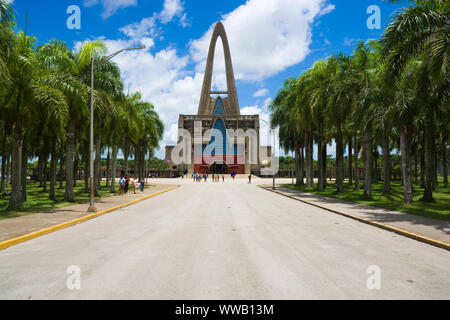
<point>127,184</point>
<point>135,183</point>
<point>250,178</point>
<point>121,185</point>
<point>142,185</point>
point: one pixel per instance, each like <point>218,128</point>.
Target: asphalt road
<point>223,241</point>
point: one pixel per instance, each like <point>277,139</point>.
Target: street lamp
<point>273,153</point>
<point>92,207</point>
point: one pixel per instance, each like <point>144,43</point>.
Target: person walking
<point>142,186</point>
<point>127,184</point>
<point>121,185</point>
<point>250,178</point>
<point>134,182</point>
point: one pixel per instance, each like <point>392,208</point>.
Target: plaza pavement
<point>225,240</point>
<point>19,226</point>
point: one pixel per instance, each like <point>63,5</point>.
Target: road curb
<point>27,237</point>
<point>405,233</point>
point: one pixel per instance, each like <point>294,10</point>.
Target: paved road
<point>223,241</point>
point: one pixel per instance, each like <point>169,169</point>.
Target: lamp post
<point>92,207</point>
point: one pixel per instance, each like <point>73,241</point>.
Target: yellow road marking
<point>27,237</point>
<point>405,233</point>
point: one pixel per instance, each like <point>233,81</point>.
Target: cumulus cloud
<point>171,9</point>
<point>266,36</point>
<point>261,93</point>
<point>110,7</point>
<point>265,133</point>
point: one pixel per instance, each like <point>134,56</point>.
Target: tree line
<point>45,101</point>
<point>391,93</point>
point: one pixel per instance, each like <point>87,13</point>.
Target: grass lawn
<point>439,209</point>
<point>38,201</point>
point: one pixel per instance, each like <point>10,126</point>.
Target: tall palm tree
<point>285,114</point>
<point>421,31</point>
<point>75,68</point>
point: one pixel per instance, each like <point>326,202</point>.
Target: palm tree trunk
<point>299,163</point>
<point>76,163</point>
<point>114,168</point>
<point>320,175</point>
<point>108,163</point>
<point>309,169</point>
<point>429,156</point>
<point>125,158</point>
<point>406,165</point>
<point>23,176</point>
<point>86,154</point>
<point>70,154</point>
<point>97,163</point>
<point>45,174</point>
<point>15,201</point>
<point>416,173</point>
<point>386,163</point>
<point>375,165</point>
<point>350,160</point>
<point>357,147</point>
<point>53,165</point>
<point>4,156</point>
<point>435,163</point>
<point>339,160</point>
<point>142,163</point>
<point>61,168</point>
<point>444,157</point>
<point>324,165</point>
<point>368,152</point>
<point>39,169</point>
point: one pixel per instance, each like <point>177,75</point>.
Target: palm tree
<point>74,68</point>
<point>339,106</point>
<point>421,31</point>
<point>285,115</point>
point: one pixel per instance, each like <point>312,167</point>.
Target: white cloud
<point>110,7</point>
<point>266,36</point>
<point>261,93</point>
<point>349,41</point>
<point>266,137</point>
<point>146,27</point>
<point>171,9</point>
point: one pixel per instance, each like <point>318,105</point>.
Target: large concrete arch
<point>231,102</point>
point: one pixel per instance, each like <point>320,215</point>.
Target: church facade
<point>220,139</point>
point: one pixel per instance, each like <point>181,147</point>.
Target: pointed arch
<point>219,108</point>
<point>219,31</point>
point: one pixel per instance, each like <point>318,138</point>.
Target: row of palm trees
<point>44,103</point>
<point>389,94</point>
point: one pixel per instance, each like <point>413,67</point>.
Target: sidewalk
<point>16,227</point>
<point>422,226</point>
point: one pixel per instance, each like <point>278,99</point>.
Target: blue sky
<point>270,40</point>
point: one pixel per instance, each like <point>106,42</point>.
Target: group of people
<point>198,177</point>
<point>125,181</point>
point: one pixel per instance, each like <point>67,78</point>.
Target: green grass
<point>38,201</point>
<point>439,209</point>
